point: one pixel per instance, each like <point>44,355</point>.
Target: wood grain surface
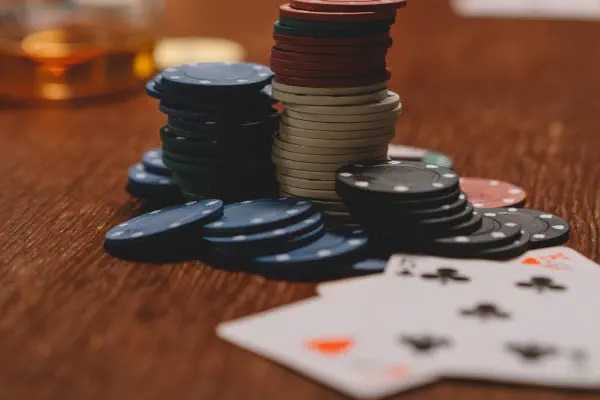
<point>512,100</point>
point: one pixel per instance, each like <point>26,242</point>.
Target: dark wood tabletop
<point>512,100</point>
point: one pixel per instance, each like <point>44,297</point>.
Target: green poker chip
<point>336,26</point>
<point>323,33</point>
<point>409,153</point>
<point>435,158</point>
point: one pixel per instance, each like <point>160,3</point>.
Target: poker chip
<point>152,88</point>
<point>348,5</point>
<point>376,48</point>
<point>220,75</point>
<point>142,183</point>
<point>389,122</point>
<point>273,238</point>
<point>169,221</point>
<point>403,179</point>
<point>334,82</point>
<point>491,193</point>
<point>371,265</point>
<point>287,11</point>
<point>279,28</point>
<point>356,41</point>
<point>496,230</point>
<point>152,161</point>
<point>507,252</point>
<point>337,158</point>
<point>329,100</point>
<point>332,247</point>
<point>256,215</point>
<point>277,142</point>
<point>334,135</point>
<point>358,142</point>
<point>300,90</point>
<point>546,230</point>
<point>390,102</point>
<point>306,183</point>
<point>408,153</point>
<point>349,118</point>
<point>310,193</point>
<point>314,175</point>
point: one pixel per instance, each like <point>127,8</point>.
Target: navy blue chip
<point>219,75</point>
<point>165,222</point>
<point>153,162</point>
<point>333,246</point>
<point>277,235</point>
<point>153,88</point>
<point>142,183</point>
<point>371,265</point>
<point>259,215</point>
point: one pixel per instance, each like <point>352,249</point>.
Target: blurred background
<point>71,49</point>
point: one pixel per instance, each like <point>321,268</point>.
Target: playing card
<point>567,9</point>
<point>506,321</point>
<point>554,261</point>
<point>334,343</point>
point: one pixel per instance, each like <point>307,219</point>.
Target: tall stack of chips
<point>330,70</point>
<point>217,142</point>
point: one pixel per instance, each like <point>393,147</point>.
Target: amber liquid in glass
<point>73,60</point>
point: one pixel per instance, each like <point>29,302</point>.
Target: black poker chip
<point>398,212</point>
<point>144,184</point>
<point>220,78</point>
<point>546,229</point>
<point>396,180</point>
<point>496,230</point>
<point>506,252</point>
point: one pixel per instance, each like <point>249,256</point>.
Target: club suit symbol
<point>424,343</point>
<point>485,311</point>
<point>542,284</point>
<point>446,275</point>
<point>531,351</point>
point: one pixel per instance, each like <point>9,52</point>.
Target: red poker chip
<point>348,5</point>
<point>289,12</point>
<point>294,73</point>
<point>490,193</point>
<point>359,59</point>
<point>333,82</point>
<point>375,48</point>
<point>358,69</point>
<point>302,40</point>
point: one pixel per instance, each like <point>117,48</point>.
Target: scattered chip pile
<point>217,142</point>
<point>417,207</point>
<point>329,60</point>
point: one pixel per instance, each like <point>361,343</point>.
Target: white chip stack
<point>324,129</point>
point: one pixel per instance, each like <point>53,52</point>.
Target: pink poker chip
<point>490,193</point>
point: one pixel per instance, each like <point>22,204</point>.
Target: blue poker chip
<point>169,222</point>
<point>370,265</point>
<point>332,247</point>
<point>214,77</point>
<point>259,215</point>
<point>153,88</point>
<point>145,184</point>
<point>269,237</point>
<point>153,162</point>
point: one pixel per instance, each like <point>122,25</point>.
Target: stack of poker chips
<point>221,122</point>
<point>410,206</point>
<point>329,60</point>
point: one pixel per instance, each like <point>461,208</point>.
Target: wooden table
<point>513,100</point>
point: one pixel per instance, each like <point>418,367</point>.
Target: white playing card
<point>567,9</point>
<point>498,309</point>
<point>329,342</point>
<point>554,261</point>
